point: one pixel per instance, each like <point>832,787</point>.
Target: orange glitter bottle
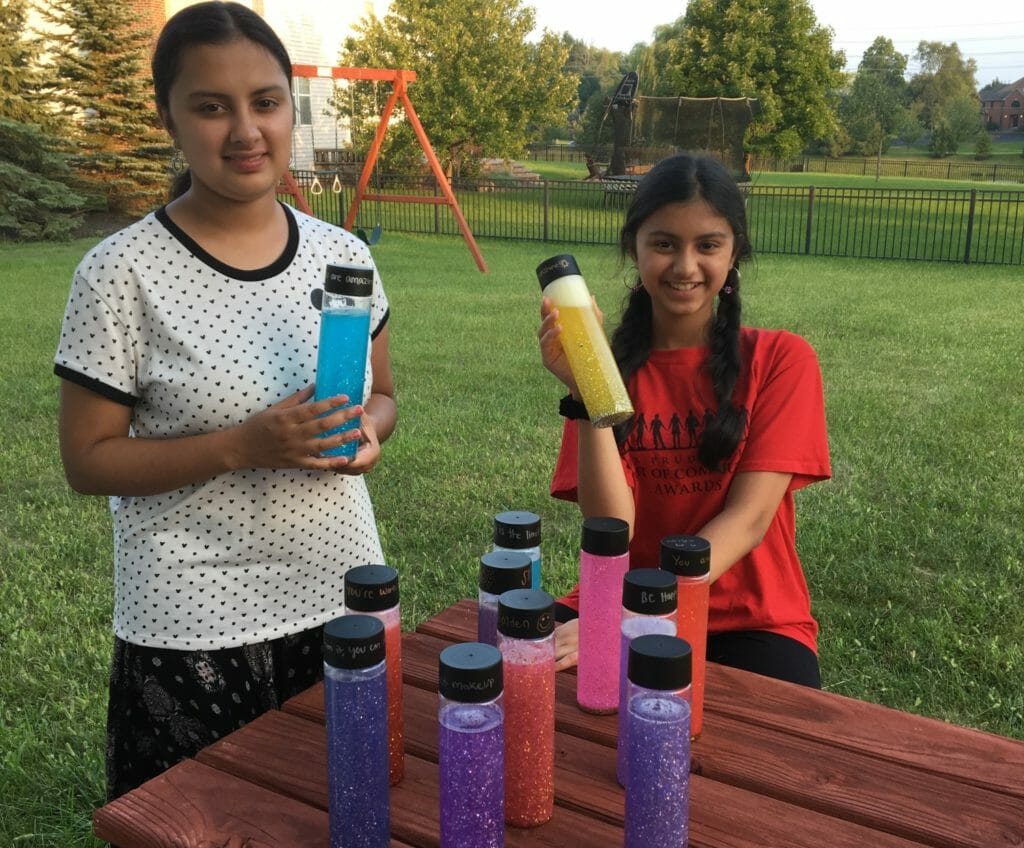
<point>526,627</point>
<point>689,559</point>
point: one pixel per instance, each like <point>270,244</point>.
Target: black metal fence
<point>985,227</point>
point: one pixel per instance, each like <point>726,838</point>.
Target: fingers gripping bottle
<point>344,343</point>
<point>584,342</point>
<point>373,590</point>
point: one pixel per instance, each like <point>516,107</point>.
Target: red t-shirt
<point>780,389</point>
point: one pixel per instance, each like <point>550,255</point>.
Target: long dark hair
<point>679,179</point>
<point>212,22</point>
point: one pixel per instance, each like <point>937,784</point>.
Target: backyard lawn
<point>914,551</point>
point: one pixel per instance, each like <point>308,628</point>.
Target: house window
<point>303,102</point>
<point>1015,104</point>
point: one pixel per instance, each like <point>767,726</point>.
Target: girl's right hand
<point>289,433</point>
<point>551,352</point>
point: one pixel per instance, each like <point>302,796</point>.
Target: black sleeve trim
<point>381,325</point>
<point>94,385</point>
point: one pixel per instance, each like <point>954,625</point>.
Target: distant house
<point>1003,105</point>
<point>313,32</point>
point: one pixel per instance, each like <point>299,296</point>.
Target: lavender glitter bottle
<point>648,606</point>
<point>356,707</point>
<point>500,571</point>
<point>658,784</point>
<point>471,746</point>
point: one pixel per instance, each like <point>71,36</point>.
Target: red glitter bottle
<point>526,627</point>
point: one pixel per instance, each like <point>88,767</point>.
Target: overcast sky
<point>989,31</point>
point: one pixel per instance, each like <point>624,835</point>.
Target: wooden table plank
<point>287,755</point>
<point>939,748</point>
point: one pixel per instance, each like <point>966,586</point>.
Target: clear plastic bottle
<point>471,746</point>
<point>689,559</point>
<point>520,531</point>
<point>344,343</point>
<point>355,706</point>
<point>648,606</point>
<point>604,560</point>
<point>526,628</point>
<point>586,347</point>
<point>373,589</point>
<point>500,571</point>
<point>658,741</point>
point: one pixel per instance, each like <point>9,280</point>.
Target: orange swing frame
<point>399,80</point>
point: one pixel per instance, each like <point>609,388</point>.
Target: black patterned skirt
<point>166,705</point>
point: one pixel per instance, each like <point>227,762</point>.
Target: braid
<point>721,438</point>
<point>631,343</point>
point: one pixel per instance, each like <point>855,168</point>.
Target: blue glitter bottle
<point>471,746</point>
<point>356,707</point>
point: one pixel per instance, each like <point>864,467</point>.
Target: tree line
<point>78,131</point>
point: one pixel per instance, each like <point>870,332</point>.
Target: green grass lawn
<point>914,551</point>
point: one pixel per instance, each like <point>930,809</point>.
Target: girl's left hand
<point>368,452</point>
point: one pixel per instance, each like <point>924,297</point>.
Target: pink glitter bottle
<point>526,627</point>
<point>604,560</point>
<point>373,590</point>
<point>689,559</point>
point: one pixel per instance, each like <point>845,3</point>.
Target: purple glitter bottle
<point>471,746</point>
<point>356,707</point>
<point>658,783</point>
<point>648,606</point>
<point>500,571</point>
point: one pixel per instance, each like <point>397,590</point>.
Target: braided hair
<point>680,179</point>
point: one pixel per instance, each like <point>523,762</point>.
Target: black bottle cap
<point>470,672</point>
<point>371,588</point>
<point>526,614</point>
<point>686,556</point>
<point>517,530</point>
<point>658,661</point>
<point>605,536</point>
<point>556,267</point>
<point>354,641</point>
<point>353,282</point>
<point>501,571</point>
<point>649,591</point>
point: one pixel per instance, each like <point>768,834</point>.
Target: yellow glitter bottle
<point>584,342</point>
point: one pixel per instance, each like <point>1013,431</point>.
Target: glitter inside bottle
<point>584,342</point>
<point>604,559</point>
<point>355,707</point>
<point>648,606</point>
<point>526,627</point>
<point>689,559</point>
<point>471,746</point>
<point>373,589</point>
<point>520,531</point>
<point>500,571</point>
<point>658,780</point>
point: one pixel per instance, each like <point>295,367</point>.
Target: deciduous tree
<point>481,88</point>
<point>945,75</point>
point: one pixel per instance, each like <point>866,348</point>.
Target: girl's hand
<point>289,434</point>
<point>552,354</point>
<point>567,642</point>
<point>368,453</point>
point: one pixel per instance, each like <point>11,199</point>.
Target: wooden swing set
<point>399,80</point>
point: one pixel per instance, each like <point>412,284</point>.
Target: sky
<point>989,31</point>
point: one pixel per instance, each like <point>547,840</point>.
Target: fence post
<point>546,232</point>
<point>970,227</point>
<point>810,220</point>
<point>437,209</point>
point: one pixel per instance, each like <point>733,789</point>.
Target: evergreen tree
<point>96,61</point>
<point>35,201</point>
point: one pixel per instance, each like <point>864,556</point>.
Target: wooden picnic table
<point>776,765</point>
